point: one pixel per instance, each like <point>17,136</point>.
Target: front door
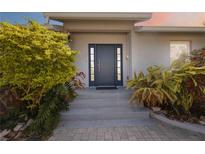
<point>105,60</point>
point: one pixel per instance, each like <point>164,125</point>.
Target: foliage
<point>169,87</point>
<point>12,118</point>
<point>76,81</point>
<point>152,89</point>
<point>198,57</point>
<point>187,86</point>
<point>47,117</point>
<point>12,111</point>
<point>37,76</point>
<point>183,58</point>
<point>7,100</point>
<point>55,100</point>
<point>33,59</point>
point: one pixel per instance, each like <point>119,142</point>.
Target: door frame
<point>94,45</point>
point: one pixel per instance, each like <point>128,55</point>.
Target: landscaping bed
<point>177,92</point>
<point>191,118</point>
<point>194,127</point>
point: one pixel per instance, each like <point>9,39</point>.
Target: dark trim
<point>117,83</point>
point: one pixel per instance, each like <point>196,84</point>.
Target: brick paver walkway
<point>107,115</point>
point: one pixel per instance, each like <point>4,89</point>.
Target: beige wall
<point>98,26</point>
<point>80,42</point>
<point>154,49</point>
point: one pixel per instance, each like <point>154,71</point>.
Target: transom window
<point>179,49</point>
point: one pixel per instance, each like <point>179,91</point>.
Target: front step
<point>100,102</point>
<point>106,123</point>
<point>102,94</point>
<point>66,116</point>
<point>104,109</point>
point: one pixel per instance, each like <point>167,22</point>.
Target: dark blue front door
<point>105,65</point>
<point>105,61</point>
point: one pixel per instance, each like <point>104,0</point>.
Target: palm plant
<point>187,85</point>
<point>177,87</point>
<point>152,89</point>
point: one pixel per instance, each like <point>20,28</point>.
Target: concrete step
<point>106,123</point>
<point>96,98</point>
<point>98,101</point>
<point>101,94</point>
<point>102,115</point>
<point>104,109</point>
<point>102,103</point>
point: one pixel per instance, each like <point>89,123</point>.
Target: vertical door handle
<point>99,65</point>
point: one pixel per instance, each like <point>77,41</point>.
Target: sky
<point>20,17</point>
<point>158,18</point>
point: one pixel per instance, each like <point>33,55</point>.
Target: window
<point>179,49</point>
<point>92,68</point>
<point>119,64</point>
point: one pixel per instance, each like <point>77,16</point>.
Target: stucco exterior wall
<point>140,49</point>
<point>154,48</point>
<point>80,42</point>
<point>98,26</point>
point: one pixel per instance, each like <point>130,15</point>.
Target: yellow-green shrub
<point>34,59</point>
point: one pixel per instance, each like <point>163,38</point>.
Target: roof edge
<point>168,29</point>
<point>61,16</point>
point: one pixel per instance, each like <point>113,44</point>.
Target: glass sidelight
<point>119,64</point>
<point>119,61</point>
<point>92,64</point>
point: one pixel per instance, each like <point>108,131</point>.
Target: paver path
<point>107,115</point>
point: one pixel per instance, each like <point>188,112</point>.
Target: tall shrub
<point>33,59</point>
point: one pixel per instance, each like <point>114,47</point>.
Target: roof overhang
<point>56,28</point>
<point>63,16</point>
<point>168,29</point>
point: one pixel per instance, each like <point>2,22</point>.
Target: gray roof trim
<point>168,29</point>
<point>62,16</point>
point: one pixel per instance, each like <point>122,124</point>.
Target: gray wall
<point>154,48</point>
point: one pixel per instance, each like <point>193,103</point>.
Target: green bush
<point>47,117</point>
<point>34,59</point>
<point>55,100</point>
<point>178,87</point>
